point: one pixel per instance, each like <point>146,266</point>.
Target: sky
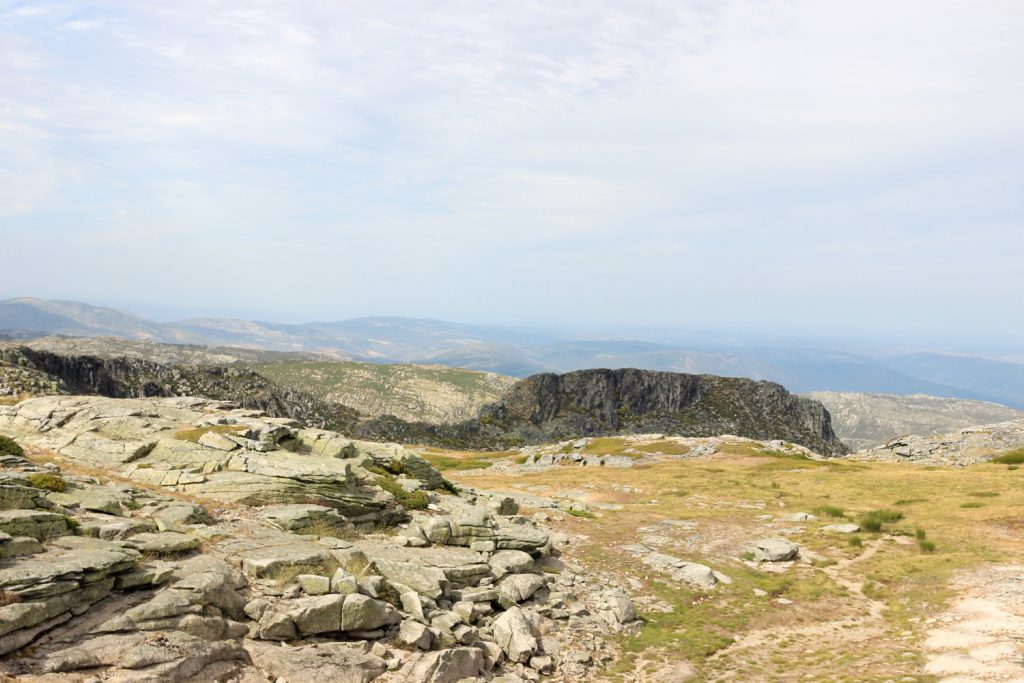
<point>818,167</point>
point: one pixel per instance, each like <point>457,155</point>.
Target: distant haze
<point>798,167</point>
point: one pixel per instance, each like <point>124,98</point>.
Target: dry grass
<point>727,492</point>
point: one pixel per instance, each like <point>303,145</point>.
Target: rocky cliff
<point>550,407</point>
<point>126,377</point>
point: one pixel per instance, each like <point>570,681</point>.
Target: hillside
<point>410,392</point>
<point>869,420</point>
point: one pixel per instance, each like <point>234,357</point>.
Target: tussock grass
<point>1014,457</point>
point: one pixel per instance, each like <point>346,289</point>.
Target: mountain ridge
<point>521,352</point>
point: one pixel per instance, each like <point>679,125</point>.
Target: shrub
<point>9,446</point>
<point>926,546</point>
<point>920,534</point>
<point>46,481</point>
<point>875,520</point>
<point>410,500</point>
<point>855,542</point>
<point>1014,457</point>
<point>829,511</point>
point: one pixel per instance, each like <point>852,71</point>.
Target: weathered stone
<point>165,543</point>
<point>314,584</point>
<point>447,666</point>
<point>510,562</point>
<point>39,524</point>
<point>415,634</point>
<point>333,662</point>
<point>361,613</point>
<point>513,635</point>
<point>515,588</point>
<point>775,550</point>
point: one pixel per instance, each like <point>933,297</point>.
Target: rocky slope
<point>174,539</point>
<point>869,420</point>
<point>427,393</point>
<point>551,407</point>
<point>962,447</point>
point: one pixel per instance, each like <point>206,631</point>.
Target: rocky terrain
<point>169,539</point>
<point>535,410</point>
<point>965,446</point>
<point>869,420</point>
<point>124,377</point>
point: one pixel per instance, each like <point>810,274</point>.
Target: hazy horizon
<point>822,170</point>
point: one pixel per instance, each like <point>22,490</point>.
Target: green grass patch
<point>855,542</point>
<point>195,433</point>
<point>410,500</point>
<point>925,546</point>
<point>664,448</point>
<point>448,463</point>
<point>972,505</point>
<point>983,494</point>
<point>1014,457</point>
<point>584,514</point>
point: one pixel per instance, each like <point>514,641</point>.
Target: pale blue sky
<point>806,166</point>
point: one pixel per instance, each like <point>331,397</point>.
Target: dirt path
<point>860,627</point>
<point>981,636</point>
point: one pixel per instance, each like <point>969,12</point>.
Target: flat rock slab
<point>39,524</point>
<point>335,662</point>
<point>165,543</point>
<point>69,558</point>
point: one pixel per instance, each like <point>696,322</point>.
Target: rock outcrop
<point>962,447</point>
<point>551,407</point>
<point>142,551</point>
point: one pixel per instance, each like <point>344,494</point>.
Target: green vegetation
<point>875,520</point>
<point>193,434</point>
<point>830,511</point>
<point>582,513</point>
<point>9,446</point>
<point>664,447</point>
<point>972,504</point>
<point>410,500</point>
<point>855,542</point>
<point>46,481</point>
<point>1014,457</point>
<point>445,463</point>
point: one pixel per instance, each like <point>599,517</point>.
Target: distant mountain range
<point>521,352</point>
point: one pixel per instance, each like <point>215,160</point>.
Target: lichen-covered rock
<point>775,550</point>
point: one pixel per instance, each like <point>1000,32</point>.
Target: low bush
<point>46,481</point>
<point>1014,457</point>
<point>855,542</point>
<point>926,546</point>
<point>410,500</point>
<point>9,446</point>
